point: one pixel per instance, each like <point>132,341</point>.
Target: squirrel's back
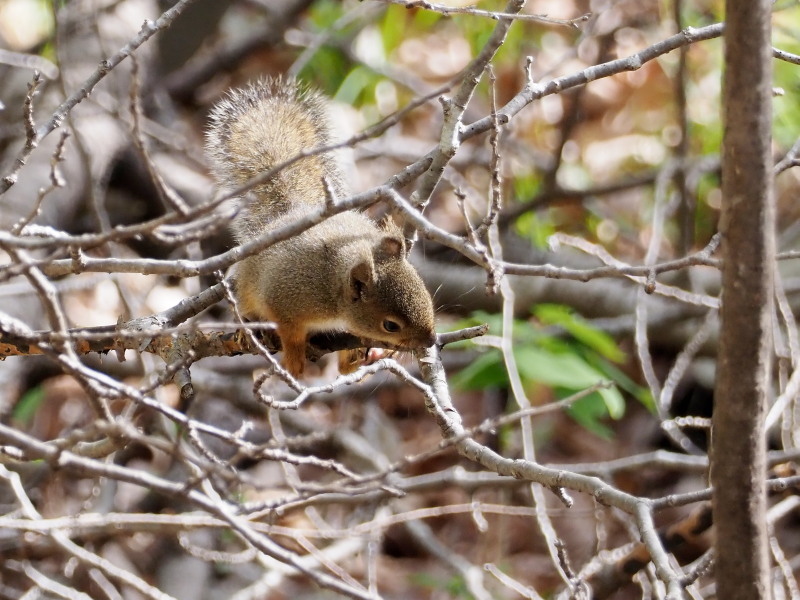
<point>261,126</point>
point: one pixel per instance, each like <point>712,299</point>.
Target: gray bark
<point>738,470</point>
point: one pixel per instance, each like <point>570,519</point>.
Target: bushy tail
<point>261,126</point>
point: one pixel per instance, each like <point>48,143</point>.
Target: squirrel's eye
<point>390,326</point>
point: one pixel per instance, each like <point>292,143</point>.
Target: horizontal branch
<point>534,91</point>
<point>202,344</point>
<point>447,11</point>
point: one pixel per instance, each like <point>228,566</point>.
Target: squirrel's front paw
<point>349,360</point>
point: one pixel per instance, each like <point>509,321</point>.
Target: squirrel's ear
<point>387,224</point>
<point>362,278</point>
<point>391,245</point>
<point>393,242</point>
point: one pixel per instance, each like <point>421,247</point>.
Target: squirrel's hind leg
<point>293,341</point>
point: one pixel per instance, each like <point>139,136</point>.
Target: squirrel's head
<point>388,300</point>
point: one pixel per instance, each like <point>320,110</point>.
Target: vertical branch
<point>507,348</point>
<point>31,140</point>
<point>686,207</point>
<point>168,196</point>
<point>454,108</point>
<point>738,469</point>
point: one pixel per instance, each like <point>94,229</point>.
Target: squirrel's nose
<point>431,340</point>
<point>421,339</point>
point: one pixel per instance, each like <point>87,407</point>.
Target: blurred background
<point>622,171</point>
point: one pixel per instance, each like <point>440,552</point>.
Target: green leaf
<point>564,370</point>
<point>486,371</point>
<point>563,365</point>
<point>27,406</point>
<point>526,186</point>
<point>522,330</point>
<point>326,69</point>
<point>393,27</point>
<point>425,19</point>
<point>588,412</point>
<point>615,403</point>
<point>536,227</point>
<point>641,393</point>
<point>567,370</point>
<point>325,13</point>
<point>577,327</point>
<point>357,80</point>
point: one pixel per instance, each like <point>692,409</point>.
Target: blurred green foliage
<point>454,587</point>
<point>562,351</point>
<point>28,405</point>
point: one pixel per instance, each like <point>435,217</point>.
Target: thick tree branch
<point>747,224</point>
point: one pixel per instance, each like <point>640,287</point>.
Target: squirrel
<point>348,273</point>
